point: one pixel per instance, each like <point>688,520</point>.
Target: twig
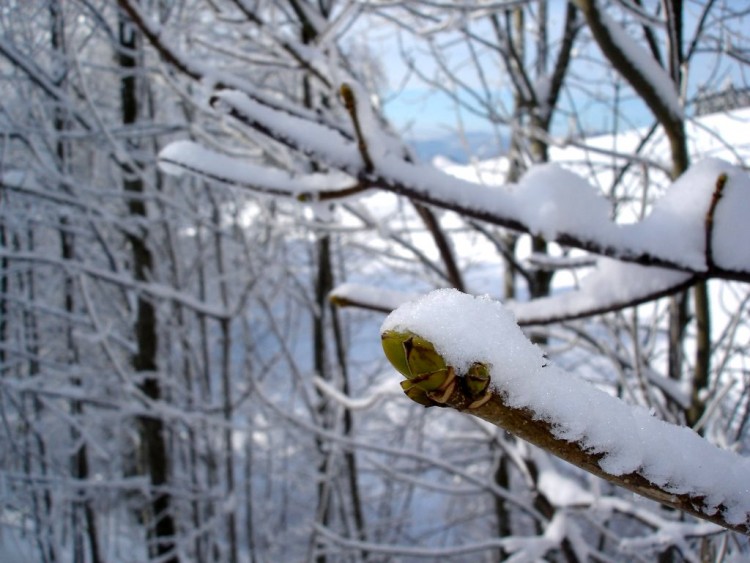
<point>350,103</point>
<point>718,193</point>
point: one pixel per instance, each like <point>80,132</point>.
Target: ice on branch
<point>624,441</point>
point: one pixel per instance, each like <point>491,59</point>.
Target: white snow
<point>563,491</point>
<point>731,244</point>
<point>549,200</point>
<point>559,201</point>
<point>181,156</point>
<point>309,136</point>
<point>677,224</point>
<point>554,200</point>
<point>611,285</point>
<point>641,59</point>
<point>376,394</point>
<point>466,329</point>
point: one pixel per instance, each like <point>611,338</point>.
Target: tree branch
<point>644,74</point>
<point>718,192</point>
<point>526,425</point>
<point>468,354</point>
<point>429,186</point>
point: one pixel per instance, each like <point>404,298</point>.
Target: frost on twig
<point>447,334</point>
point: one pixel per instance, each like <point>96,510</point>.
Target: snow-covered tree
<point>548,201</point>
<point>180,378</point>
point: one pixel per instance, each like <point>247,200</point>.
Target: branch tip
<point>350,103</point>
<point>347,94</point>
<point>715,197</point>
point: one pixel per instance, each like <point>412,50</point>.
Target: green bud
<point>431,381</point>
<point>416,359</point>
<point>422,357</point>
<point>411,355</point>
<point>393,346</point>
<point>477,379</point>
<point>416,394</point>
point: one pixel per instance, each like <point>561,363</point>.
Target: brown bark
<point>524,424</point>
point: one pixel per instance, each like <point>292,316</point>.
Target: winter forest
<point>243,320</point>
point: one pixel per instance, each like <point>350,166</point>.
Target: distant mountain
<point>459,149</point>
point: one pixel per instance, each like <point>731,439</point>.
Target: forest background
<point>201,231</point>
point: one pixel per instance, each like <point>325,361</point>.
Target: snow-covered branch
<point>689,235</point>
<point>612,286</point>
<point>543,404</point>
<point>548,201</point>
<point>151,290</point>
<point>644,73</point>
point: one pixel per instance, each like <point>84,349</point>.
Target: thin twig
<point>718,192</point>
<point>350,103</point>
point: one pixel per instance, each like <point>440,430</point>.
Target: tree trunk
<point>84,518</point>
<point>226,383</point>
<point>154,457</point>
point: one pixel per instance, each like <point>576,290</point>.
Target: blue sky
<point>424,112</point>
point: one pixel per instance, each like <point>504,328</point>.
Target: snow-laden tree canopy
<point>207,206</point>
<point>692,233</point>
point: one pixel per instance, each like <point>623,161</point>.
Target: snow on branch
<point>549,200</point>
<point>652,82</point>
<point>612,286</point>
<point>453,344</point>
<point>369,297</point>
<point>188,156</point>
<point>310,138</point>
